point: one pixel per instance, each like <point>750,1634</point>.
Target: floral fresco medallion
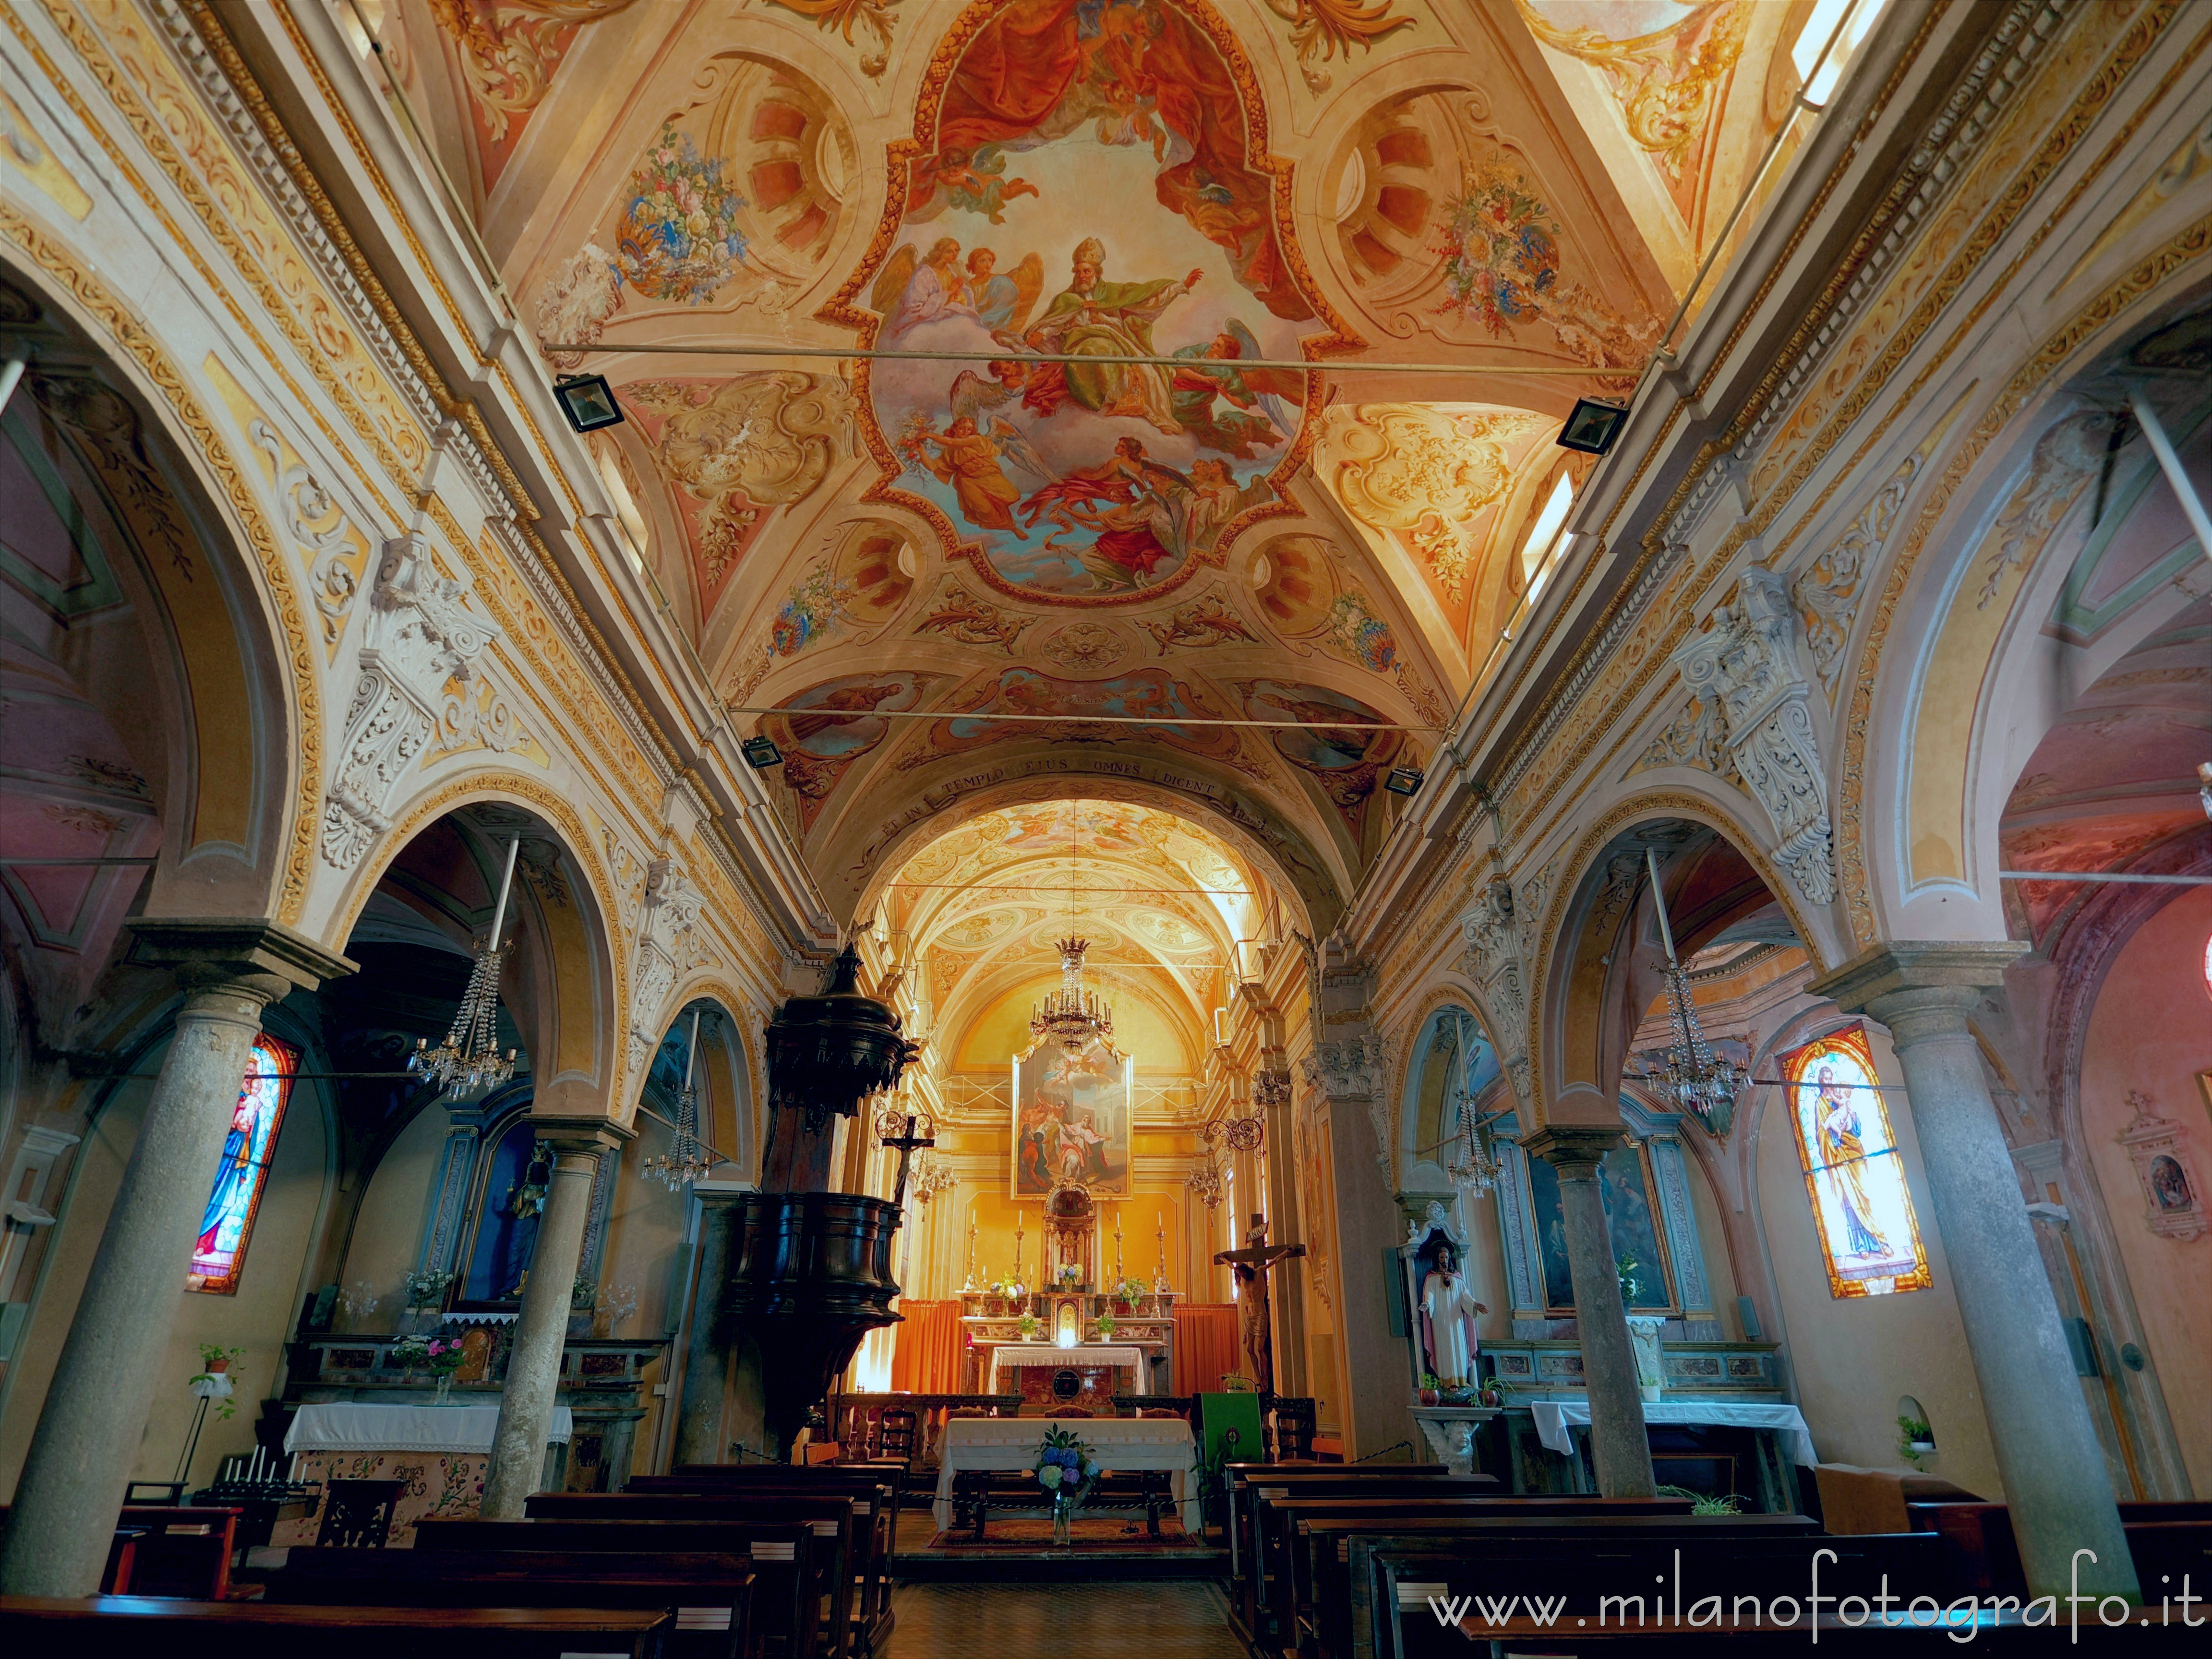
<point>679,239</point>
<point>1501,250</point>
<point>1087,180</point>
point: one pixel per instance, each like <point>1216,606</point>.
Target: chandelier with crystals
<point>469,1059</point>
<point>1474,1170</point>
<point>1692,1077</point>
<point>686,1160</point>
<point>1073,1016</point>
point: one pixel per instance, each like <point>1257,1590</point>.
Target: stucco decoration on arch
<point>608,958</point>
<point>298,728</point>
<point>1579,871</point>
<point>2104,318</point>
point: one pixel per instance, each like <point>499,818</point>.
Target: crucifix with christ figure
<point>1251,1266</point>
<point>908,1144</point>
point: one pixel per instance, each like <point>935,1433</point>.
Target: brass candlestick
<point>1160,1233</point>
<point>968,1284</point>
<point>1018,1250</point>
<point>1117,1244</point>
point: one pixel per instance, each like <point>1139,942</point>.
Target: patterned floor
<point>1170,1620</point>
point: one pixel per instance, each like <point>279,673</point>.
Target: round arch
<point>1452,1052</point>
<point>1600,956</point>
<point>574,956</point>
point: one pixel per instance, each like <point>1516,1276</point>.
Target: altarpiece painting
<point>1072,1121</point>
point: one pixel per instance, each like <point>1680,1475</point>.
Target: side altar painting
<point>1854,1174</point>
<point>1087,190</point>
<point>1072,1121</point>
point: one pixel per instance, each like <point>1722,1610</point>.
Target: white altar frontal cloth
<point>353,1426</point>
<point>1014,1356</point>
<point>1556,1418</point>
<point>1121,1443</point>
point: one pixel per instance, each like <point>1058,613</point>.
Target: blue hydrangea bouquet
<point>1067,1468</point>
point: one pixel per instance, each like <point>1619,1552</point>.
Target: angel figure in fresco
<point>968,461</point>
<point>1844,1154</point>
<point>1003,301</point>
<point>975,181</point>
<point>1269,390</point>
<point>1094,317</point>
<point>1120,478</point>
<point>915,289</point>
<point>973,396</point>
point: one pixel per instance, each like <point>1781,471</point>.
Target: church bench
<point>791,1565</point>
<point>1237,1477</point>
<point>1581,1569</point>
<point>709,1595</point>
<point>262,1630</point>
<point>1254,1556</point>
<point>184,1551</point>
<point>1295,1554</point>
<point>1339,1553</point>
<point>1984,1554</point>
<point>874,1488</point>
<point>842,1540</point>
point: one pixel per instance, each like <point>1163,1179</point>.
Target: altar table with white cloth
<point>1555,1418</point>
<point>440,1454</point>
<point>349,1426</point>
<point>1121,1443</point>
<point>1015,1356</point>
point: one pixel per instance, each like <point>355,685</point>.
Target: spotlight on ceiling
<point>1592,425</point>
<point>761,753</point>
<point>1404,780</point>
<point>588,401</point>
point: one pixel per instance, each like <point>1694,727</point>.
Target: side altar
<point>1077,1341</point>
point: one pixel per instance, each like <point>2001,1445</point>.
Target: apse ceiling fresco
<point>1170,910</point>
<point>952,581</point>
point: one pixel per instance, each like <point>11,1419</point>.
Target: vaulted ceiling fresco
<point>944,580</point>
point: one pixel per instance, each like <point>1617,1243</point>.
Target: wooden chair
<point>357,1514</point>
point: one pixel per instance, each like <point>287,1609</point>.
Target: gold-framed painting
<point>1071,1120</point>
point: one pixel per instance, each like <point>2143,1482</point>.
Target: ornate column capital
<point>1575,1150</point>
<point>1920,988</point>
<point>580,1137</point>
<point>247,956</point>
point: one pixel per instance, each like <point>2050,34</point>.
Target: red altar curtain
<point>926,1359</point>
<point>1204,1346</point>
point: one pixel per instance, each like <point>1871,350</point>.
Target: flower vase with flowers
<point>441,1356</point>
<point>1067,1468</point>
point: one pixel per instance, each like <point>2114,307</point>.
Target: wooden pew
<point>102,1625</point>
<point>2165,1538</point>
<point>876,1488</point>
<point>840,1537</point>
<point>1253,1558</point>
<point>709,1595</point>
<point>793,1566</point>
<point>1577,1567</point>
<point>1237,1477</point>
<point>1303,1555</point>
<point>184,1551</point>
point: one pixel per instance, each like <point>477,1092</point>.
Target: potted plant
<point>1431,1390</point>
<point>1914,1439</point>
<point>212,1380</point>
<point>1128,1296</point>
<point>1106,1327</point>
<point>1027,1324</point>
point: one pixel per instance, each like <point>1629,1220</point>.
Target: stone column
<point>94,1420</point>
<point>1619,1447</point>
<point>699,1436</point>
<point>2056,1481</point>
<point>541,1329</point>
<point>1271,1095</point>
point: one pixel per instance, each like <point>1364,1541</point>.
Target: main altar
<point>1081,1339</point>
